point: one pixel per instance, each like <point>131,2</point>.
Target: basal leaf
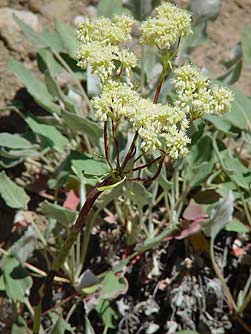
<point>246,43</point>
<point>13,195</point>
<point>82,125</point>
<point>240,115</point>
<point>16,278</point>
<point>68,38</point>
<point>35,87</point>
<point>88,166</point>
<point>40,39</point>
<point>220,216</point>
<point>23,248</point>
<point>62,215</point>
<point>13,141</point>
<point>48,132</point>
<point>236,226</point>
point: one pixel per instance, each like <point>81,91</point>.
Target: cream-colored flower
<point>164,30</point>
<point>222,99</point>
<point>105,31</point>
<point>100,46</point>
<point>195,95</point>
<point>116,100</point>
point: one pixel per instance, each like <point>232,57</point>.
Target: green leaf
<point>83,125</point>
<point>113,286</point>
<point>54,138</point>
<point>138,194</point>
<point>47,62</point>
<point>240,115</point>
<point>89,166</point>
<point>108,197</point>
<point>9,162</point>
<point>60,326</point>
<point>35,87</point>
<point>220,123</point>
<point>246,43</point>
<point>68,38</point>
<point>57,93</point>
<point>106,312</point>
<point>220,216</point>
<point>20,327</point>
<point>198,37</point>
<point>110,8</point>
<point>40,40</point>
<point>23,248</point>
<point>13,141</point>
<point>13,195</point>
<point>232,74</point>
<point>12,154</point>
<point>62,215</point>
<point>236,226</point>
<point>201,159</point>
<point>111,186</point>
<point>237,170</point>
<point>16,278</point>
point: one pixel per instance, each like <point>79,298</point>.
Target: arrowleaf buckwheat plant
<point>125,178</point>
<point>160,132</point>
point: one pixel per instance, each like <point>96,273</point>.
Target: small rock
<point>34,6</point>
<point>92,11</point>
<point>93,2</point>
<point>78,20</point>
<point>9,29</point>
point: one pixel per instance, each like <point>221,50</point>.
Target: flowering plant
<point>160,131</point>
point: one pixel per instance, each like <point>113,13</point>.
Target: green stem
<point>221,278</point>
<point>58,262</point>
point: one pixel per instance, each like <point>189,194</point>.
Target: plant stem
<point>130,151</point>
<point>58,262</point>
<point>162,77</point>
<point>116,142</point>
<point>106,144</point>
<point>227,292</point>
<point>152,178</point>
<point>146,164</point>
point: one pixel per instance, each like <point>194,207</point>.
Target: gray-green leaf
<point>13,195</point>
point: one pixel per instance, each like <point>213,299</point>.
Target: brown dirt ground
<point>224,33</point>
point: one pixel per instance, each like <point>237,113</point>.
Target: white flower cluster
<point>116,100</point>
<point>196,97</point>
<point>160,127</point>
<point>100,46</point>
<point>165,29</point>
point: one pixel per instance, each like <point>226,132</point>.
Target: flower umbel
<point>101,46</point>
<point>196,97</point>
<point>167,27</point>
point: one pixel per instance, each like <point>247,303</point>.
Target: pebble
<point>34,6</point>
<point>92,11</point>
<point>9,29</point>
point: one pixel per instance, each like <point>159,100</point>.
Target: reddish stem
<point>106,144</point>
<point>116,142</point>
<point>156,97</point>
<point>149,179</point>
